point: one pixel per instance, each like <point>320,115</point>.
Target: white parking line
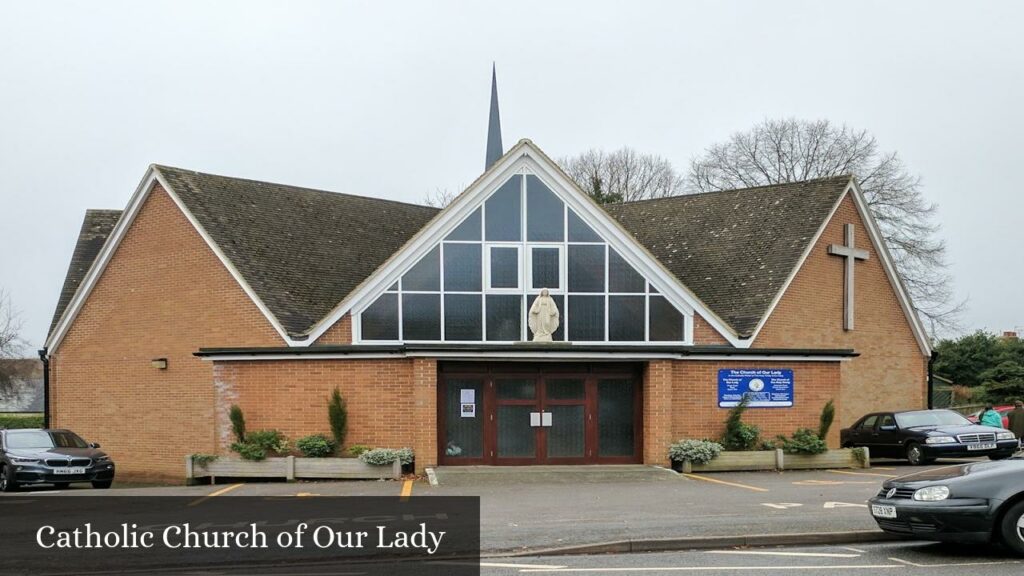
<point>954,564</point>
<point>635,569</point>
<point>770,553</point>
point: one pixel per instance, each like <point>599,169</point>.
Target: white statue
<point>543,317</point>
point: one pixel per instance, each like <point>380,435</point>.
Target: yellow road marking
<point>717,481</point>
<point>862,473</point>
<point>220,492</point>
<point>406,489</point>
<point>305,494</point>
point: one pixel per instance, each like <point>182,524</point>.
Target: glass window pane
<point>421,316</point>
<point>567,433</point>
<point>615,426</point>
<point>516,438</point>
<point>504,214</point>
<point>621,276</point>
<point>586,268</point>
<point>666,321</point>
<point>579,231</point>
<point>626,318</point>
<point>463,317</point>
<point>464,436</point>
<point>469,229</point>
<point>380,320</point>
<point>515,389</point>
<point>544,266</point>
<point>545,217</point>
<point>426,274</point>
<point>462,267</point>
<point>504,317</point>
<point>393,287</point>
<point>586,318</point>
<point>564,388</point>
<point>559,335</point>
<point>504,267</point>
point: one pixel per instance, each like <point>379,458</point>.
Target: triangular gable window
<point>478,283</point>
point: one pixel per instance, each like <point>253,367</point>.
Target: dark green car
<point>58,457</point>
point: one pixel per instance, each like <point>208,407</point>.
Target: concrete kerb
<point>706,542</point>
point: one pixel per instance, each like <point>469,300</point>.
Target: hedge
<point>18,420</point>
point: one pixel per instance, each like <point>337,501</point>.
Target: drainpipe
<point>931,377</point>
<point>45,357</point>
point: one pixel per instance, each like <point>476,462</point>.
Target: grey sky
<point>390,99</point>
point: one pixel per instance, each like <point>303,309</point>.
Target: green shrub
<point>828,414</point>
<point>406,455</point>
<point>359,449</point>
<point>249,451</point>
<point>316,446</point>
<point>203,459</point>
<point>738,434</point>
<point>260,443</point>
<point>861,456</point>
<point>21,420</point>
<point>337,416</point>
<point>380,456</point>
<point>804,441</point>
<point>237,423</point>
<point>695,451</point>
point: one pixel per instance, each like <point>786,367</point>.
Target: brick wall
<point>391,403</point>
<point>706,335</point>
<point>164,294</point>
<point>891,373</point>
<point>339,333</point>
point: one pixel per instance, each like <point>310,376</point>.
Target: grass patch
<point>11,420</point>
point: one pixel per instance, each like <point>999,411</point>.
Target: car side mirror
<point>887,428</point>
<point>93,445</point>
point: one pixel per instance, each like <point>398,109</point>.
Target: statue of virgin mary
<point>543,317</point>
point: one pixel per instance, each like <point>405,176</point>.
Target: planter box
<point>777,460</point>
<point>291,468</point>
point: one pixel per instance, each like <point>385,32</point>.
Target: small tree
<point>237,423</point>
<point>738,434</point>
<point>337,415</point>
<point>828,414</point>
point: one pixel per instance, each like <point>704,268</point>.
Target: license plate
<point>883,511</point>
<point>68,471</point>
<point>985,446</point>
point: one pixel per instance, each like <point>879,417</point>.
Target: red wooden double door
<point>518,414</point>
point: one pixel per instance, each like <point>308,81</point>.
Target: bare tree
<point>440,197</point>
<point>624,175</point>
<point>777,151</point>
<point>11,343</point>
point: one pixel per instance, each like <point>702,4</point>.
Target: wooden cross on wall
<point>852,255</point>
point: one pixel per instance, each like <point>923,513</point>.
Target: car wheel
<point>1000,456</point>
<point>1012,528</point>
<point>102,484</point>
<point>7,483</point>
<point>915,455</point>
<point>61,485</point>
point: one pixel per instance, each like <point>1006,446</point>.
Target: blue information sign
<point>766,388</point>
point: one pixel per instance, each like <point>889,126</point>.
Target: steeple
<point>494,147</point>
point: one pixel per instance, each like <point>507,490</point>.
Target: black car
<point>57,457</point>
<point>977,502</point>
<point>921,436</point>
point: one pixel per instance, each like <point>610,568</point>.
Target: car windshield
<point>44,440</point>
<point>930,418</point>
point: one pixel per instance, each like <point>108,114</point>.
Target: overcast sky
<point>390,99</point>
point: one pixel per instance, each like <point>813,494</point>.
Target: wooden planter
<point>291,468</point>
<point>778,460</point>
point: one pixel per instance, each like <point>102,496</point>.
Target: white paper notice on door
<point>469,410</point>
<point>468,396</point>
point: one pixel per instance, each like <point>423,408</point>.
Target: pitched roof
<point>301,250</point>
<point>96,227</point>
<point>735,248</point>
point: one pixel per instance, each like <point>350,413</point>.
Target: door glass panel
<point>566,434</point>
<point>516,389</point>
<point>463,434</point>
<point>615,417</point>
<point>544,213</point>
<point>564,389</point>
<point>503,213</point>
<point>462,267</point>
<point>516,438</point>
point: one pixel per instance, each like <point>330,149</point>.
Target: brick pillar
<point>424,393</point>
<point>657,411</point>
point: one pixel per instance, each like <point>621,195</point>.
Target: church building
<point>522,324</point>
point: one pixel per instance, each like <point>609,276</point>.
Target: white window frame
<point>561,288</point>
<point>487,247</point>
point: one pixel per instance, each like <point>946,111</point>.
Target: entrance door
<point>559,414</point>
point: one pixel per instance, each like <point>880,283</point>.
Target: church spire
<point>494,147</point>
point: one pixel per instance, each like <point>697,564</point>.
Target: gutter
<point>931,377</point>
<point>44,356</point>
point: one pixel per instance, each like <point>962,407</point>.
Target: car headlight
<point>940,440</point>
<point>23,460</point>
<point>1005,436</point>
<point>102,459</point>
<point>932,494</point>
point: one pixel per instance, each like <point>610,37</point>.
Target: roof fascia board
<point>499,355</point>
<point>224,260</point>
<point>890,269</point>
<point>800,263</point>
